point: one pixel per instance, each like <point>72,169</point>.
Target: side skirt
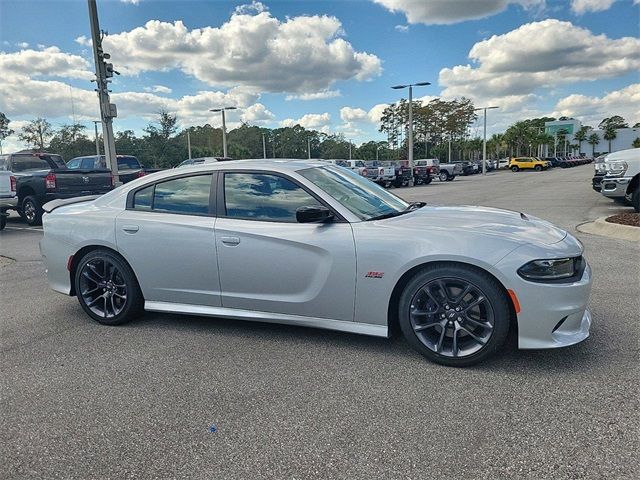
<point>268,317</point>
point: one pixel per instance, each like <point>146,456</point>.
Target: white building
<point>624,138</point>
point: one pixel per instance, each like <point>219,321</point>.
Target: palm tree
<point>581,136</point>
<point>593,140</point>
<point>610,134</point>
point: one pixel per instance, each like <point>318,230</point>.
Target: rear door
<point>268,262</point>
<point>167,235</point>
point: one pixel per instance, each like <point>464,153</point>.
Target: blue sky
<point>529,57</point>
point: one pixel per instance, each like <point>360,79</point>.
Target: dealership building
<point>624,138</point>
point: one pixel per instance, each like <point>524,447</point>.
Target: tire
<point>635,199</point>
<point>443,176</point>
<point>3,220</point>
<point>515,168</point>
<point>428,181</point>
<point>121,299</point>
<point>538,168</point>
<point>479,330</point>
<point>32,211</point>
<point>621,201</point>
<point>450,179</point>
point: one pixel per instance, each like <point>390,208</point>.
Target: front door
<point>268,262</point>
<point>167,235</point>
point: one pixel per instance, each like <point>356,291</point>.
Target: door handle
<point>230,241</point>
<point>130,228</point>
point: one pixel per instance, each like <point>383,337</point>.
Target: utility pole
<point>189,142</point>
<point>484,142</point>
<point>449,149</point>
<point>224,128</point>
<point>349,149</point>
<point>309,148</point>
<point>108,111</point>
<point>264,147</point>
<point>95,127</point>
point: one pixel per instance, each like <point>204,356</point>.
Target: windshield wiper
<point>412,206</point>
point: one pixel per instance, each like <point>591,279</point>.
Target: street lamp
<point>377,150</point>
<point>484,143</point>
<point>95,126</point>
<point>410,139</point>
<point>224,127</point>
<point>264,147</point>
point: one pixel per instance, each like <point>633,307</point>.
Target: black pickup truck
<point>129,168</point>
<point>42,177</point>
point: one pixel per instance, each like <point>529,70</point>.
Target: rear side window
<point>185,195</point>
<point>24,163</point>
<point>88,163</point>
<point>4,162</point>
<point>75,163</point>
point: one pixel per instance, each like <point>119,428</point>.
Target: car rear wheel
<point>107,288</point>
<point>3,220</point>
<point>32,211</point>
<point>454,315</point>
<point>538,168</point>
<point>443,176</point>
<point>635,199</point>
<point>515,168</point>
<point>428,180</point>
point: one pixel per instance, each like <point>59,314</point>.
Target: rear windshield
<point>128,163</point>
<point>25,163</point>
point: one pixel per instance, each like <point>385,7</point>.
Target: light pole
<point>309,148</point>
<point>264,147</point>
<point>189,143</point>
<point>377,150</point>
<point>224,127</point>
<point>349,149</point>
<point>484,142</point>
<point>95,126</point>
<point>410,138</point>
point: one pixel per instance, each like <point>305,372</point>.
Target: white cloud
<point>300,54</point>
<point>253,7</point>
<point>441,12</point>
<point>22,45</point>
<point>583,6</point>
<point>132,2</point>
<point>313,121</point>
<point>624,102</point>
<point>83,40</point>
<point>315,95</point>
<point>46,62</point>
<point>402,28</point>
<point>158,89</point>
<point>351,115</point>
<point>507,69</point>
<point>257,114</point>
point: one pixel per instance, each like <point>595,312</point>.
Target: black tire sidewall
<point>514,169</point>
<point>38,208</point>
<point>538,168</point>
<point>635,199</point>
<point>3,221</point>
<point>135,302</point>
<point>491,289</point>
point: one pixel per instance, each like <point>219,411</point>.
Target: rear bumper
<point>8,202</point>
<point>614,187</point>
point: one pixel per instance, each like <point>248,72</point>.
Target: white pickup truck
<point>622,177</point>
<point>8,197</point>
<point>381,174</point>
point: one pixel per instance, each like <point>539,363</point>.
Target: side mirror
<point>141,165</point>
<point>315,214</point>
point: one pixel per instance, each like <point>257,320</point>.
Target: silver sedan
<point>312,244</point>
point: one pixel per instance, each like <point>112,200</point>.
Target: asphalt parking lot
<point>80,400</point>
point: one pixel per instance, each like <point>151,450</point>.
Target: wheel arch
<point>405,278</point>
<point>24,192</point>
<point>81,253</point>
<point>633,184</point>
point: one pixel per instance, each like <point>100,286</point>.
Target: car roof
<point>280,164</point>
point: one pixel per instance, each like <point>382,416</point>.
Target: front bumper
<point>552,315</point>
<point>614,187</point>
<point>8,202</point>
<point>596,182</point>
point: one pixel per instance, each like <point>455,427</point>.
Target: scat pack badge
<point>374,275</point>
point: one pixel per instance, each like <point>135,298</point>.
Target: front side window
<point>185,195</point>
<point>88,163</point>
<point>362,197</point>
<point>266,197</point>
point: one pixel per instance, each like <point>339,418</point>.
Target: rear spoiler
<point>53,204</point>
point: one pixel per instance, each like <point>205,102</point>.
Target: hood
<point>515,226</point>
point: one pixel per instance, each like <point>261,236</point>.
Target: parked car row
<point>617,176</point>
<point>568,162</point>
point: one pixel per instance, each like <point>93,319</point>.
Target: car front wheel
<point>107,288</point>
<point>443,176</point>
<point>514,168</point>
<point>635,199</point>
<point>538,168</point>
<point>454,315</point>
<point>3,219</point>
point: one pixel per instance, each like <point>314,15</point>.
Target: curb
<point>613,230</point>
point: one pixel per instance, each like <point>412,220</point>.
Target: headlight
<point>551,269</point>
<point>616,168</point>
<point>601,168</point>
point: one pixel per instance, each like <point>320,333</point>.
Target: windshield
<point>360,196</point>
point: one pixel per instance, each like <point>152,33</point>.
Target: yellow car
<point>522,163</point>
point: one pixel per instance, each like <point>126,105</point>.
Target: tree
<point>609,134</point>
<point>636,125</point>
<point>636,143</point>
<point>36,133</point>
<point>593,140</point>
<point>615,122</point>
<point>580,136</point>
<point>5,131</point>
<point>70,141</point>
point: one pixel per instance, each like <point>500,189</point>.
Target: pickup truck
<point>449,171</point>
<point>622,179</point>
<point>8,196</point>
<point>42,177</point>
<point>129,168</point>
<point>426,169</point>
<point>380,174</point>
<point>402,173</point>
<point>357,166</point>
<point>599,172</point>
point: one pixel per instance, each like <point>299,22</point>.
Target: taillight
<point>50,181</point>
<point>381,171</point>
<point>13,183</point>
<point>141,174</point>
<point>364,172</point>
